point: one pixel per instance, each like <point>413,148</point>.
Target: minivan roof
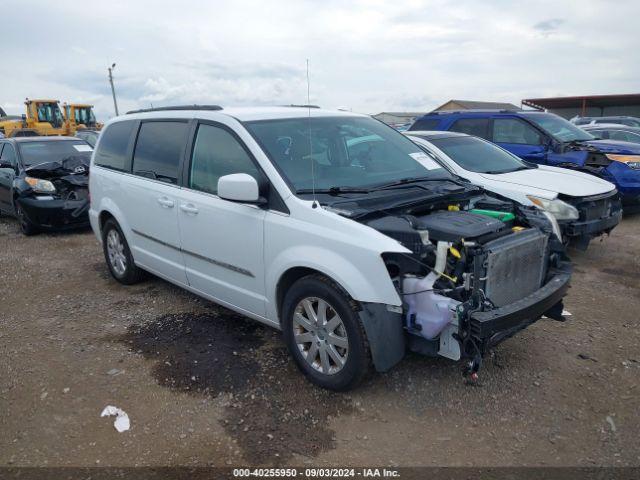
<point>242,114</point>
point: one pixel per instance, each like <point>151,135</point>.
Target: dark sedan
<point>89,136</point>
<point>44,182</point>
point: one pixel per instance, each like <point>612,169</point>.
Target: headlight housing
<point>559,209</point>
<point>632,161</point>
<point>40,186</point>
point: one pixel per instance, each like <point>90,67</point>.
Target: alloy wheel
<point>320,335</point>
<point>115,251</point>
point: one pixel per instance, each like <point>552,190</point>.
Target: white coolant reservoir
<point>432,312</point>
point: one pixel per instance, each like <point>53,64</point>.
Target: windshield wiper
<point>334,190</point>
<point>498,172</point>
<point>405,181</point>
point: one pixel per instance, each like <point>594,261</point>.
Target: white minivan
<point>328,225</point>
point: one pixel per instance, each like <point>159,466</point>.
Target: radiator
<point>515,266</point>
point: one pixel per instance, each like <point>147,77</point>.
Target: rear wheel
<point>324,334</point>
<point>118,255</point>
<point>26,226</point>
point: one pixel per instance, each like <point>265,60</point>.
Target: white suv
<point>328,225</point>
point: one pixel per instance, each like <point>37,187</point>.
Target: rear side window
<point>217,153</point>
<point>112,151</point>
<point>513,130</point>
<point>472,126</point>
<point>425,124</point>
<point>158,150</point>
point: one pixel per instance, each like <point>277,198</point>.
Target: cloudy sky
<point>367,55</point>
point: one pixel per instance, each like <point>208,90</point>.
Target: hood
<point>615,146</point>
<point>73,166</point>
<point>410,196</point>
<point>555,180</point>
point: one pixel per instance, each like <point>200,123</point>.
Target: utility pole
<point>113,90</point>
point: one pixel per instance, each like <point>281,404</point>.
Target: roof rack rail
<point>476,110</point>
<point>177,107</point>
<point>302,106</point>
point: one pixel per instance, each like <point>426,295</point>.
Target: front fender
<point>368,282</point>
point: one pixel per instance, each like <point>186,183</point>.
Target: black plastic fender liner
<point>385,334</point>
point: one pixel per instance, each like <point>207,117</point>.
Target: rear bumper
<point>55,214</point>
<point>493,326</point>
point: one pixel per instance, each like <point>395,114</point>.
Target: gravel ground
<point>204,386</point>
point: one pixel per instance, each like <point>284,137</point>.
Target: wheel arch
<point>370,284</point>
<point>108,209</point>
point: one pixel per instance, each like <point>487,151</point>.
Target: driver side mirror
<point>7,165</point>
<point>240,187</point>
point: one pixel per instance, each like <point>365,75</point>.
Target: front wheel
<point>26,226</point>
<point>118,255</point>
<point>324,334</point>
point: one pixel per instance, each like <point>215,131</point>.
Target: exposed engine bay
<point>471,254</point>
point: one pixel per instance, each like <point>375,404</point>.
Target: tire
<point>118,255</point>
<point>343,340</point>
<point>26,226</point>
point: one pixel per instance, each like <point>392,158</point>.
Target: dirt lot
<point>204,386</point>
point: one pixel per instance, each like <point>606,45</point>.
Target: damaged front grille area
<point>514,266</point>
<point>76,189</point>
<point>597,160</point>
<point>595,207</point>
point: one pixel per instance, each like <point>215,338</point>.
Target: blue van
<point>548,139</point>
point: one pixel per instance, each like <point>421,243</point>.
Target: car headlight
<point>40,186</point>
<point>632,161</point>
<point>559,209</point>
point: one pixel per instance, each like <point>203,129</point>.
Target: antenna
<point>313,173</point>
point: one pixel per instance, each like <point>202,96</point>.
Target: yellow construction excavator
<point>44,117</point>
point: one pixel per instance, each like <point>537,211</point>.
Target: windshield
<point>50,112</point>
<point>85,116</point>
<point>35,153</point>
<point>477,155</point>
<point>343,152</point>
<point>559,128</point>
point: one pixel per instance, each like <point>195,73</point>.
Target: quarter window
<point>112,152</point>
<point>217,153</point>
<point>158,150</point>
<point>512,130</point>
<point>472,126</point>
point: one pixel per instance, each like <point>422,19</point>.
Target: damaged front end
<point>55,194</point>
<point>481,269</point>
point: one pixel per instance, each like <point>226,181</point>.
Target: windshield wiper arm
<point>334,190</point>
<point>497,172</point>
<point>405,181</point>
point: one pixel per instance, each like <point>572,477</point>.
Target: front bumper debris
<point>56,213</point>
<point>493,326</point>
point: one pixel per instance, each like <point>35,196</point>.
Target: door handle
<point>189,208</point>
<point>166,202</point>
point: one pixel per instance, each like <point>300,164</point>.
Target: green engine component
<point>502,216</point>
